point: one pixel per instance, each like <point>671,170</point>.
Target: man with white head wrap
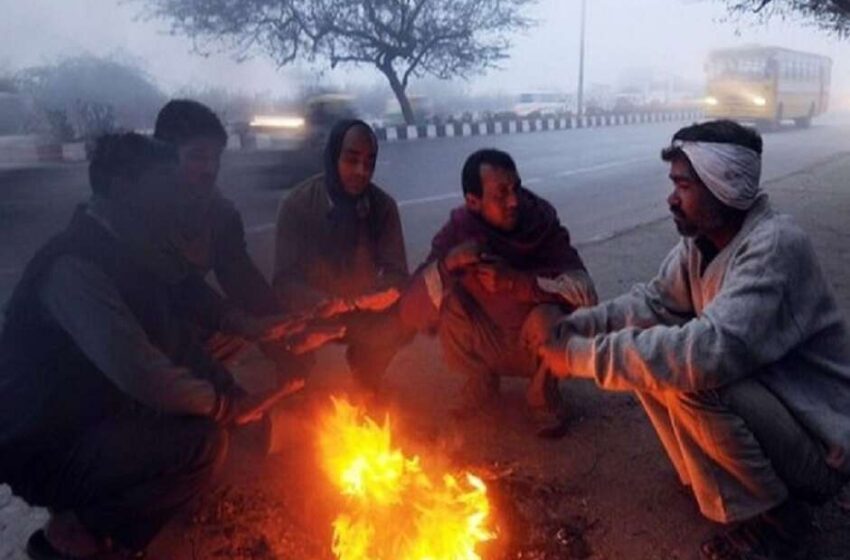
<point>736,349</point>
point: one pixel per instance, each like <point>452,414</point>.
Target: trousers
<point>739,449</point>
<point>125,477</point>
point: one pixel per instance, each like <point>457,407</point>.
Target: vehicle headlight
<point>759,100</point>
<point>277,122</point>
<point>711,100</point>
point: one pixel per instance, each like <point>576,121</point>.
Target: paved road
<point>601,180</point>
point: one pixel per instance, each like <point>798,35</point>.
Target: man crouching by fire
<point>112,414</point>
<point>499,255</point>
<point>736,349</point>
<point>340,255</point>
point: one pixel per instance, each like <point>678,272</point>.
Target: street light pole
<point>580,100</point>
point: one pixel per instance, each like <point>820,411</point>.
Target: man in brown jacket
<point>499,256</point>
<point>340,252</point>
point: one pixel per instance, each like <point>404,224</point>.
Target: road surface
<point>601,181</point>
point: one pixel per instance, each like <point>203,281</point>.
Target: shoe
<point>550,423</point>
<point>39,548</point>
<point>842,499</point>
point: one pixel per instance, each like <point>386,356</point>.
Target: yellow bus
<point>767,85</point>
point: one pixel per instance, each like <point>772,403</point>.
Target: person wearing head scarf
<point>340,254</point>
<point>736,349</point>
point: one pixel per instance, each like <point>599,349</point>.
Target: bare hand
<point>539,325</point>
<point>332,307</point>
<point>252,408</point>
<point>494,277</point>
<point>553,356</point>
<point>315,337</point>
<point>463,255</point>
<point>377,301</point>
<point>280,326</point>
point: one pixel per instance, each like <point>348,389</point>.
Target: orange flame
<point>395,508</point>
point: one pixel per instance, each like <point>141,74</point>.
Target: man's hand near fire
<point>314,337</point>
<point>378,300</point>
<point>266,329</point>
<point>545,334</point>
<point>463,255</point>
<point>238,408</point>
<point>553,355</point>
<point>496,277</point>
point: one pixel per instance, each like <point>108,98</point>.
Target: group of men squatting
<point>116,387</point>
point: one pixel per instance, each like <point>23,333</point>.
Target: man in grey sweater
<point>736,349</point>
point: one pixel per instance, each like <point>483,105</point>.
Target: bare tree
<point>88,95</point>
<point>830,15</point>
<point>403,39</point>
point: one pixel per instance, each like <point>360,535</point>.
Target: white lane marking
<point>601,166</point>
<point>262,228</point>
<point>427,199</point>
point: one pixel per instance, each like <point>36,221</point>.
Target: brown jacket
<point>313,261</point>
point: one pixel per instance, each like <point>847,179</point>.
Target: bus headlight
<point>711,100</point>
<point>759,100</point>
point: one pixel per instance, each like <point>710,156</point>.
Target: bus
<point>767,85</point>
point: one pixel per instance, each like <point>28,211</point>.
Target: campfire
<point>396,506</point>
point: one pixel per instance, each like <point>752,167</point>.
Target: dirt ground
<point>604,491</point>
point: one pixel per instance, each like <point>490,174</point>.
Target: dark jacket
<point>317,256</point>
<point>50,391</point>
<point>221,248</point>
<point>539,248</point>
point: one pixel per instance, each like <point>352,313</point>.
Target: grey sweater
<point>762,307</point>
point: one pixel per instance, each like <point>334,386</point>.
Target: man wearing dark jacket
<point>212,234</point>
<point>111,411</point>
<point>340,252</point>
<point>500,255</point>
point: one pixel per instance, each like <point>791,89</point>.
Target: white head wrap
<point>731,172</point>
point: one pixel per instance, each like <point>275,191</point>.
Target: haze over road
<point>600,180</point>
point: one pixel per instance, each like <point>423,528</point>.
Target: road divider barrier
<point>521,126</point>
<point>36,149</point>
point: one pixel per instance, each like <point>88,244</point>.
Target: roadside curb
<point>497,127</point>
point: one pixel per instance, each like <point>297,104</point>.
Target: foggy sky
<point>672,35</point>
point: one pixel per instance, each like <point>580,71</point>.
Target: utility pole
<point>580,100</point>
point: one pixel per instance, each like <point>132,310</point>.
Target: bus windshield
<point>739,67</point>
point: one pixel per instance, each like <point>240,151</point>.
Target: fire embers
<point>397,507</point>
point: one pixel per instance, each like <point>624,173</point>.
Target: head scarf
<point>348,212</point>
<point>731,172</point>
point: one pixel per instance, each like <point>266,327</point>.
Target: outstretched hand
<point>465,254</point>
<point>315,337</point>
<point>377,301</point>
<point>495,277</point>
<point>332,307</point>
<point>553,356</point>
<point>277,327</point>
<point>252,408</point>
